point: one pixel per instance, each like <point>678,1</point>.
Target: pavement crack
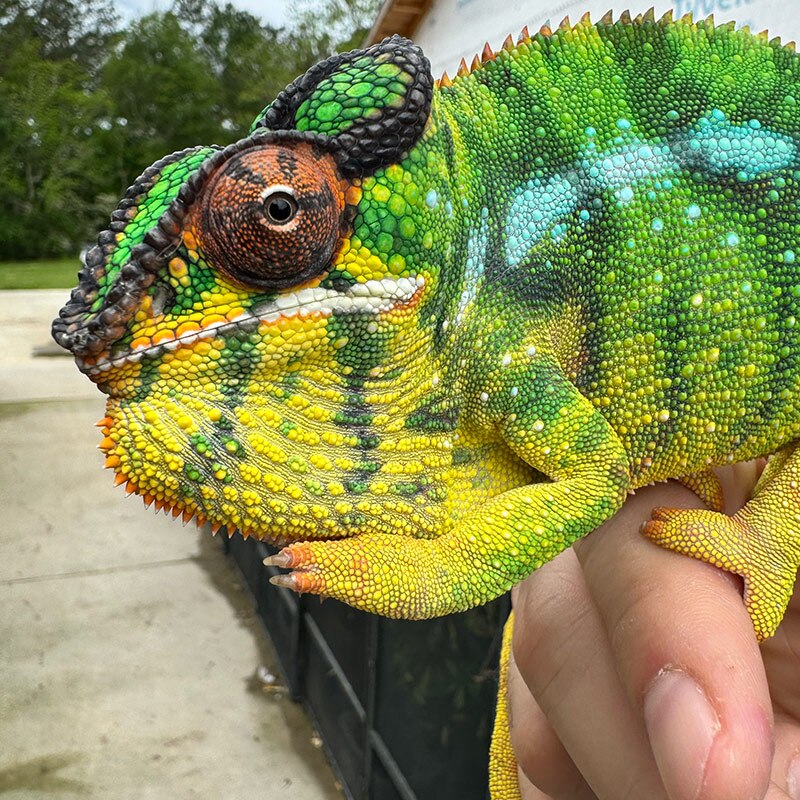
<point>84,573</point>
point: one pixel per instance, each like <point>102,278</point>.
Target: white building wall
<point>456,29</point>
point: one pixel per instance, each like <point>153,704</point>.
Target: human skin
<point>635,672</point>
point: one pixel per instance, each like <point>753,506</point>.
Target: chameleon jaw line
<point>371,297</point>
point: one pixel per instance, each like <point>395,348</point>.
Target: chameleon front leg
<point>495,545</point>
<point>761,543</point>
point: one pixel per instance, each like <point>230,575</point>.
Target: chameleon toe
<point>282,559</point>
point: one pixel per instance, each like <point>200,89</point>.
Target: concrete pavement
<point>128,649</point>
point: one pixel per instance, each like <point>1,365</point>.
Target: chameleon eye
<point>281,207</point>
<point>271,216</point>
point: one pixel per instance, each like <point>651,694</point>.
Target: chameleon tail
<point>503,780</point>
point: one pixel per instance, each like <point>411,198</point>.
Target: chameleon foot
<point>751,544</point>
<point>379,573</point>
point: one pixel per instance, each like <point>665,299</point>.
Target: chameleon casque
<point>429,333</point>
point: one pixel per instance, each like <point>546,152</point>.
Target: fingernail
<point>793,778</point>
<point>681,724</point>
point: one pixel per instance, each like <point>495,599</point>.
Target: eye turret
<point>271,217</point>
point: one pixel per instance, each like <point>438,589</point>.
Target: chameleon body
<point>428,334</point>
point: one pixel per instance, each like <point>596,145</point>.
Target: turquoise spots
<point>624,165</point>
<point>543,205</point>
<point>537,207</point>
<point>747,151</point>
<point>476,263</point>
<point>431,199</point>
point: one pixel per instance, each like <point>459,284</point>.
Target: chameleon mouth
<point>372,297</point>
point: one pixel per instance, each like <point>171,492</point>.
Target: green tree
<point>164,96</point>
<point>333,26</point>
<point>51,106</point>
<point>252,61</point>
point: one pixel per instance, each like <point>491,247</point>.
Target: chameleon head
<point>249,319</point>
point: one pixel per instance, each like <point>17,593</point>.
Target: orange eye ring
<point>271,217</point>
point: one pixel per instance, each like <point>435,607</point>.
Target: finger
<point>775,793</point>
<point>786,762</point>
<point>686,654</point>
<point>563,655</point>
<point>781,656</point>
<point>541,757</point>
<point>528,791</point>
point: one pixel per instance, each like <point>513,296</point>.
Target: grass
<point>46,274</point>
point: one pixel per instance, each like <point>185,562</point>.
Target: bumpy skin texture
<point>432,335</point>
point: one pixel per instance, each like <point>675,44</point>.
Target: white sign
<point>456,29</point>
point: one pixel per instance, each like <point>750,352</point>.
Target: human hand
<point>635,673</point>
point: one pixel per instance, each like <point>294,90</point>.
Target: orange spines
<point>106,422</point>
<point>175,511</point>
<point>545,30</point>
<point>106,444</point>
<point>476,63</point>
<point>607,18</point>
<point>120,478</point>
<point>147,499</point>
<point>524,35</point>
<point>111,462</point>
<point>625,17</point>
<point>130,487</point>
<point>586,19</point>
<point>487,54</point>
<point>445,81</point>
<point>508,43</point>
<point>565,24</point>
<point>215,527</point>
<point>463,69</point>
<point>187,516</point>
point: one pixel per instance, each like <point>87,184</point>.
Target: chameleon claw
<point>300,582</point>
<point>286,581</point>
<point>283,559</point>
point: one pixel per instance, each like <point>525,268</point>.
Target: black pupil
<point>281,208</point>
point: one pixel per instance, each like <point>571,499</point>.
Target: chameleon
<point>425,334</point>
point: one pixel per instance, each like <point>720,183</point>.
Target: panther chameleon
<point>427,334</point>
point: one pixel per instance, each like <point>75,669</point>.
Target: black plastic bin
<point>404,709</point>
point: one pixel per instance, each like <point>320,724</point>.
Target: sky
<point>273,12</point>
